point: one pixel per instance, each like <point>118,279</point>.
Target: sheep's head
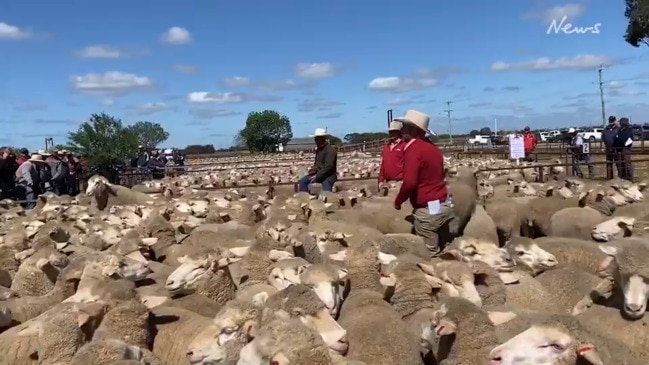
<point>326,281</point>
<point>613,228</point>
<point>192,270</point>
<point>124,267</point>
<point>527,254</point>
<point>632,275</point>
<point>238,321</point>
<point>454,278</point>
<point>96,185</point>
<point>286,272</point>
<point>485,189</point>
<point>470,249</point>
<point>203,350</point>
<point>544,345</point>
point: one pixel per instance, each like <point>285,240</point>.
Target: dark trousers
<point>624,166</point>
<point>306,180</point>
<point>611,160</point>
<point>28,193</point>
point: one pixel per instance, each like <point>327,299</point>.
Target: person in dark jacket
<point>24,156</point>
<point>392,156</point>
<point>608,137</point>
<point>623,143</point>
<point>60,171</point>
<point>8,167</point>
<point>324,171</point>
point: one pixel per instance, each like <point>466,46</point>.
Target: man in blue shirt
<point>580,152</point>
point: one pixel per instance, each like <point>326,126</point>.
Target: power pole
<point>601,94</point>
<point>389,117</point>
<point>448,113</point>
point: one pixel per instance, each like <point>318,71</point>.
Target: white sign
<point>585,148</point>
<point>516,148</point>
<point>564,27</point>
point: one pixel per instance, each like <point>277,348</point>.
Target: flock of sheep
<point>176,272</point>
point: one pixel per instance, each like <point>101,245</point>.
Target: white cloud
<point>113,82</point>
<point>401,84</point>
<point>150,108</point>
<point>202,97</point>
<point>315,70</point>
<point>186,69</point>
<point>212,113</point>
<point>177,36</point>
<point>317,104</point>
<point>579,62</point>
<point>236,81</point>
<point>547,15</point>
<point>615,85</point>
<point>100,51</point>
<point>8,31</point>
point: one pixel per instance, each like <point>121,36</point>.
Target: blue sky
<point>198,67</point>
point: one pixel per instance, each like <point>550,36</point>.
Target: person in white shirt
<point>580,152</point>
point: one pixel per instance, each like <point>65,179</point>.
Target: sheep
<point>584,255</point>
<point>106,352</point>
<point>570,343</point>
<point>106,194</point>
<point>575,222</point>
<point>127,321</point>
<point>506,216</point>
<point>538,212</point>
<point>472,249</point>
<point>375,331</point>
<point>285,340</point>
<point>529,256</point>
<point>37,273</point>
<point>474,333</point>
<point>401,243</point>
<point>464,195</point>
<point>481,226</point>
<point>21,344</point>
<point>325,280</point>
<point>614,228</point>
<point>630,274</point>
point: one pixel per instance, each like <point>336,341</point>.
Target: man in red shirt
<point>392,156</point>
<point>529,143</point>
<point>424,184</point>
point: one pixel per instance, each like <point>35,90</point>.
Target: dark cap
<point>612,119</point>
<point>24,151</point>
<point>526,128</point>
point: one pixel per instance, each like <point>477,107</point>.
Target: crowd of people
<point>23,176</point>
<point>155,162</point>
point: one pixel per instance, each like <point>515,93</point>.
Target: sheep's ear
<point>149,241</point>
<point>386,259</point>
<point>338,256</point>
<point>152,301</point>
<point>182,260</point>
<point>259,299</point>
<point>41,263</point>
<point>445,327</point>
<point>137,256</point>
<point>428,269</point>
<point>277,255</point>
<point>342,274</point>
<point>590,354</point>
<point>239,251</point>
<point>498,318</point>
<point>609,250</point>
<point>434,281</point>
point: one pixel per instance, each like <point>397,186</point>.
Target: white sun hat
<point>319,132</point>
<point>395,126</point>
<point>417,119</point>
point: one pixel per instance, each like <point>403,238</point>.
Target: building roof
<point>301,140</point>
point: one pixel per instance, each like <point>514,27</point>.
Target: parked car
<point>640,132</point>
<point>479,139</point>
<point>592,134</point>
<point>562,137</point>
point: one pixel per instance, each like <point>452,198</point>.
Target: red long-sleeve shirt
<point>529,142</point>
<point>423,174</point>
<point>392,162</point>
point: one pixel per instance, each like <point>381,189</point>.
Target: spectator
<point>424,184</point>
<point>324,170</point>
<point>8,167</point>
<point>580,152</point>
<point>179,159</point>
<point>60,171</point>
<point>73,174</point>
<point>28,180</point>
<point>392,156</point>
<point>623,143</point>
<point>155,165</point>
<point>24,156</point>
<point>608,137</point>
<point>143,157</point>
<point>529,143</point>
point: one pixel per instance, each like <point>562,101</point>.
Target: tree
<point>104,142</point>
<point>637,31</point>
<point>149,134</point>
<point>485,131</point>
<point>265,130</point>
<point>335,141</point>
<point>196,149</point>
<point>354,138</point>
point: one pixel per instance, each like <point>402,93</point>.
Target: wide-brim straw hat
<point>395,126</point>
<point>43,153</point>
<point>36,158</point>
<point>319,132</point>
<point>417,119</point>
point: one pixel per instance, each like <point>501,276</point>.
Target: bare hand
<point>312,179</point>
<point>397,206</point>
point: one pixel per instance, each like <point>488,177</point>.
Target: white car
<point>479,139</point>
<point>592,134</point>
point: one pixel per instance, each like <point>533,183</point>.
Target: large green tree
<point>105,142</point>
<point>149,134</point>
<point>264,130</point>
<point>637,12</point>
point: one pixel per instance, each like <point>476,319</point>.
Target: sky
<point>198,67</point>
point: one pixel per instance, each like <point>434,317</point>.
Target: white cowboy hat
<point>417,119</point>
<point>571,130</point>
<point>319,132</point>
<point>36,157</point>
<point>395,126</point>
<point>43,153</point>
